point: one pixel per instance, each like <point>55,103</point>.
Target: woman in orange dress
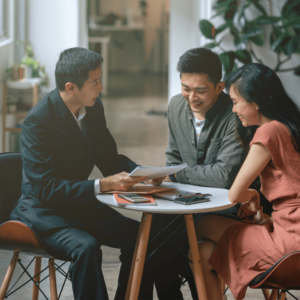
<point>268,128</point>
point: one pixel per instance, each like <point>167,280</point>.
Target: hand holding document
<point>156,172</point>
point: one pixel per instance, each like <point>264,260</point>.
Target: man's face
<point>199,92</point>
<point>86,96</point>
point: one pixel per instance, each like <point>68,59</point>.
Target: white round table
<point>218,201</point>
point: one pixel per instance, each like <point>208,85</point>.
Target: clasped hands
<point>251,211</point>
<point>121,182</point>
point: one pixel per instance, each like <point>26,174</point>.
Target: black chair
<point>17,237</point>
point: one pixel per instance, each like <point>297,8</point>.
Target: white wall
<point>55,25</point>
<point>184,35</point>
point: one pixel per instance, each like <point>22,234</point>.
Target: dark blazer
<point>58,158</point>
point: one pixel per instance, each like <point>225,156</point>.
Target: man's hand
<point>156,181</point>
<point>119,182</point>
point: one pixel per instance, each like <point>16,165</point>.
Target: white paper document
<point>156,172</point>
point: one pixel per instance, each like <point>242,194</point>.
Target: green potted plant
<point>284,37</point>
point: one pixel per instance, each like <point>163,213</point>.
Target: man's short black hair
<point>74,65</point>
<point>201,60</point>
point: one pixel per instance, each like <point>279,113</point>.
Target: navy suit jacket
<point>58,158</point>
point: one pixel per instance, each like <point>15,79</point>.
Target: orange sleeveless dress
<point>247,250</point>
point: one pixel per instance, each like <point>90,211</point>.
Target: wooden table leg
<point>139,256</point>
<point>198,274</point>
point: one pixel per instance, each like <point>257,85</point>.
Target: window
<point>2,19</point>
<point>6,21</point>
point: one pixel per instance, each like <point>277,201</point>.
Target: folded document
<point>156,172</point>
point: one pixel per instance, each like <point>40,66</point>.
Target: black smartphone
<point>191,200</point>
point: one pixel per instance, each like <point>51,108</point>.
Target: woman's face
<point>247,112</point>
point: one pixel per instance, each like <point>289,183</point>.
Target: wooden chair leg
<point>266,294</point>
<point>53,288</point>
<point>282,295</point>
<point>37,269</point>
<point>8,276</point>
<point>274,294</point>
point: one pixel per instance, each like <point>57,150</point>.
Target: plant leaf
<point>290,46</point>
<point>210,45</point>
<point>259,6</point>
<point>227,59</point>
<point>252,30</point>
<point>257,39</point>
<point>243,56</point>
<point>222,27</point>
<point>278,41</point>
<point>207,29</point>
<point>240,41</point>
<point>267,20</point>
<point>290,8</point>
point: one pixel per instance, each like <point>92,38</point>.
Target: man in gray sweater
<point>201,134</point>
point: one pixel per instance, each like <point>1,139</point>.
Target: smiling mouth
<point>196,104</point>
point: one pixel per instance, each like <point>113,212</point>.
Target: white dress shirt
<point>81,114</point>
<point>198,124</point>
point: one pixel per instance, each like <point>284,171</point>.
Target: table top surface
<point>218,201</point>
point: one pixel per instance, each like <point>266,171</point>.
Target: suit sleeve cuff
<point>97,186</point>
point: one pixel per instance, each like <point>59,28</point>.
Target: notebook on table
<point>143,190</point>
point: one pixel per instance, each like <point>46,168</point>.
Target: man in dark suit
<point>62,138</point>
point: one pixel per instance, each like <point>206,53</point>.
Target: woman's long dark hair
<point>259,84</point>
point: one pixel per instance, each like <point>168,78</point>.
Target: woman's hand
<point>249,208</point>
<point>261,218</point>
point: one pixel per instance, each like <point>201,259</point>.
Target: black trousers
<point>81,246</point>
<point>172,262</point>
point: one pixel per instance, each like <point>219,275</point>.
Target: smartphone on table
<point>135,198</point>
<point>191,200</point>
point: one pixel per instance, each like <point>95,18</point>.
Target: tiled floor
<point>140,136</point>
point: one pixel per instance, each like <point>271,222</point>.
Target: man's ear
<point>70,88</point>
<point>220,87</point>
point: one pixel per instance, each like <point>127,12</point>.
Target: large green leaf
<point>276,43</point>
<point>291,8</point>
<point>252,30</point>
<point>210,45</point>
<point>207,29</point>
<point>290,45</point>
<point>223,27</point>
<point>227,59</point>
<point>259,6</point>
<point>257,39</point>
<point>266,20</point>
<point>240,41</point>
<point>243,56</point>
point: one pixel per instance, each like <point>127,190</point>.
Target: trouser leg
<point>117,231</point>
<point>85,255</point>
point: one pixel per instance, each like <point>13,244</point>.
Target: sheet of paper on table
<point>156,172</point>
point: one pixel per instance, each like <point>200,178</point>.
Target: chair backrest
<point>10,182</point>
